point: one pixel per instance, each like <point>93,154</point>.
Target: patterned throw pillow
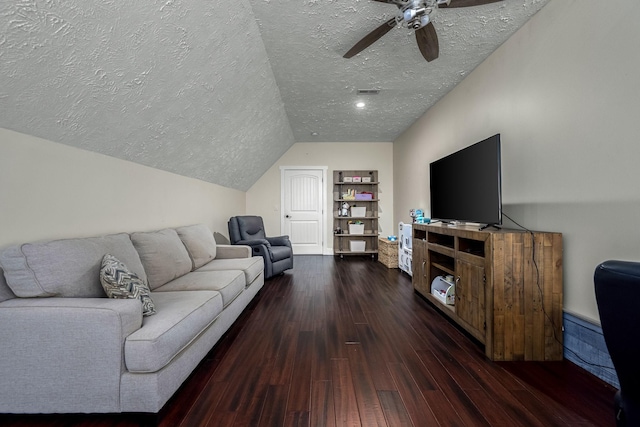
<point>119,282</point>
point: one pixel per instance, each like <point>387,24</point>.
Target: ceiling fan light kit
<point>416,15</point>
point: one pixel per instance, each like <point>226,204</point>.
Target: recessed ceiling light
<point>360,104</point>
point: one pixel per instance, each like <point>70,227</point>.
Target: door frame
<point>323,196</point>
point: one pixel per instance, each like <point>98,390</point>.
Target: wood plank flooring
<point>348,343</point>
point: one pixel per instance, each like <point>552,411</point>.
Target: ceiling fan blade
<point>371,38</point>
<point>396,2</point>
<point>466,3</point>
<point>428,42</point>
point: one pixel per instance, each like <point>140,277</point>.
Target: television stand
<point>454,223</point>
<point>508,286</point>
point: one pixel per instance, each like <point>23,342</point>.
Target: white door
<point>303,208</point>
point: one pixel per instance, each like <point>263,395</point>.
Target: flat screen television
<point>466,185</point>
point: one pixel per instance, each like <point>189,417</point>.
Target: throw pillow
<point>118,282</point>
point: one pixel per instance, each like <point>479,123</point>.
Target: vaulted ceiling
<point>219,90</point>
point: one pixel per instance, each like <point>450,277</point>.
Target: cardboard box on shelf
<point>364,196</point>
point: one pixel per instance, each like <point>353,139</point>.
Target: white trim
<point>323,221</point>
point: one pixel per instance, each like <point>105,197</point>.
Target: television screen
<point>466,185</point>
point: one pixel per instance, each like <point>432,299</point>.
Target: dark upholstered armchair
<point>617,286</point>
<point>276,251</point>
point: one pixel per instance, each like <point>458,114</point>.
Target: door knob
<point>287,216</point>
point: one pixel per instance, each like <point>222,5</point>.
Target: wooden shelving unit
<point>342,240</point>
<point>508,286</point>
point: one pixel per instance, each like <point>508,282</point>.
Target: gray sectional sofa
<point>65,347</point>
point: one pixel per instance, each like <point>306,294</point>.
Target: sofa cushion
<point>230,283</point>
<point>5,290</point>
<point>120,283</point>
<point>251,267</point>
<point>181,318</point>
<point>199,242</point>
<point>163,256</point>
<point>65,268</point>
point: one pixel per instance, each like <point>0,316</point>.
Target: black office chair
<point>276,251</point>
<point>617,286</point>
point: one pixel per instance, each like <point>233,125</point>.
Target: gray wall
<point>52,191</point>
<point>564,94</point>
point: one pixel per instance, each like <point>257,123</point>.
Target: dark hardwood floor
<point>348,343</point>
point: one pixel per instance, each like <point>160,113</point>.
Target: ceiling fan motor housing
<point>417,13</point>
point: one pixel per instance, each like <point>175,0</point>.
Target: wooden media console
<point>508,286</point>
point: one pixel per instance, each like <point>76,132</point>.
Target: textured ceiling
<point>305,41</point>
<point>219,90</point>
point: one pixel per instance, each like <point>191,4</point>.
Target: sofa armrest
<point>233,251</point>
<point>70,344</point>
<point>279,241</point>
<point>254,242</point>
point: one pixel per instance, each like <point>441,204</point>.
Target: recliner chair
<point>617,285</point>
<point>276,251</point>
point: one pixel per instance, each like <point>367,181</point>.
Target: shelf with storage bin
<point>357,228</point>
<point>355,233</point>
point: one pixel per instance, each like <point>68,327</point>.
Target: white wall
<point>564,93</point>
<point>50,190</point>
<point>263,198</point>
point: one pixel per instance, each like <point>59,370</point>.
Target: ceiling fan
<point>416,15</point>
